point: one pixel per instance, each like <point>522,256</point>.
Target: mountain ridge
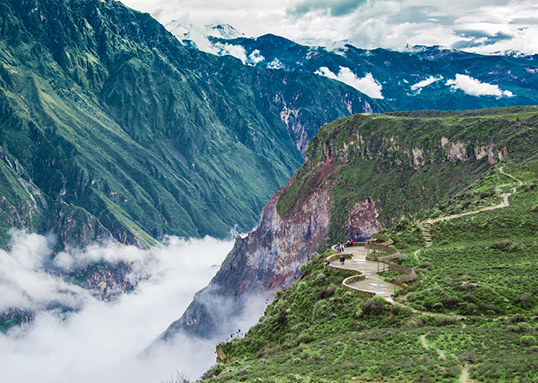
<point>136,134</point>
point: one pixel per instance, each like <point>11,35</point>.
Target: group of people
<point>340,246</point>
<point>340,249</point>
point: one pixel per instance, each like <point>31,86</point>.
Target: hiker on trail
<point>342,259</point>
<point>351,243</point>
<point>348,243</point>
<point>326,262</point>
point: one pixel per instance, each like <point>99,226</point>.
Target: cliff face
<point>361,173</point>
<point>269,258</point>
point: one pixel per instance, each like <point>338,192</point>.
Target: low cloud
<point>474,87</point>
<point>327,7</point>
<point>419,85</point>
<point>367,85</point>
<point>255,57</point>
<point>198,34</point>
<point>100,341</point>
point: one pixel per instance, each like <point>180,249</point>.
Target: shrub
<point>502,245</point>
<point>321,277</point>
<point>282,319</point>
<point>451,301</point>
<point>412,324</point>
<point>358,313</point>
<point>301,286</point>
<point>527,340</point>
<point>406,311</point>
<point>375,305</point>
<point>526,301</point>
<point>327,292</point>
<point>524,327</point>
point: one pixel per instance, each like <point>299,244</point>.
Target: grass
<point>481,267</point>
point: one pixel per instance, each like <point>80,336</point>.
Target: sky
<point>482,26</point>
<point>102,341</point>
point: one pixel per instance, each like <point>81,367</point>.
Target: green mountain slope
<point>110,129</point>
<point>408,161</point>
<point>470,314</point>
<point>360,174</point>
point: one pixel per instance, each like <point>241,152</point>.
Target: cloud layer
<point>475,25</point>
<point>474,87</point>
<point>100,341</point>
<point>367,85</point>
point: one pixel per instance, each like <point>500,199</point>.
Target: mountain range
<point>417,79</point>
<point>112,130</point>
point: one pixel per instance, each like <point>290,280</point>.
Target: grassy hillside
<point>408,161</point>
<point>472,313</point>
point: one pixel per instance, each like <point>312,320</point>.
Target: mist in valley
<point>105,341</point>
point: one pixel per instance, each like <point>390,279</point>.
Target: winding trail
<point>356,261</point>
<point>368,282</point>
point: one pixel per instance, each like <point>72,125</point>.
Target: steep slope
<point>418,79</point>
<point>470,313</point>
<point>111,129</point>
<point>360,174</point>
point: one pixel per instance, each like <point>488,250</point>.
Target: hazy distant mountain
<point>418,79</point>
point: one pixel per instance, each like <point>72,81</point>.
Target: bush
<point>302,286</point>
<point>526,301</point>
<point>321,277</point>
<point>327,292</point>
<point>502,245</point>
<point>524,327</point>
<point>406,311</point>
<point>527,340</point>
<point>451,301</point>
<point>375,305</point>
<point>412,324</point>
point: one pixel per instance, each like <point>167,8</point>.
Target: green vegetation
<point>483,264</point>
<point>317,332</point>
<point>476,291</point>
<point>409,162</point>
<point>104,113</point>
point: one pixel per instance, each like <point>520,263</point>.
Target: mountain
<point>112,130</point>
<point>361,174</point>
<point>418,79</point>
<point>470,314</point>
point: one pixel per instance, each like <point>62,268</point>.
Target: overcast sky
<point>484,26</point>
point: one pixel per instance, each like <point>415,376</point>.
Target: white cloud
<point>276,64</point>
<point>100,342</point>
<point>430,80</point>
<point>474,87</point>
<point>198,35</point>
<point>255,57</point>
<point>369,24</point>
<point>367,85</point>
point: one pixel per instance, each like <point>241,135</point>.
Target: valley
<point>134,164</point>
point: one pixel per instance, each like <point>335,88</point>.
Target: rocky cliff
<point>361,173</point>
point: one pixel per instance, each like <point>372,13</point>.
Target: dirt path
<point>425,345</point>
<point>505,203</point>
<point>464,377</point>
<point>372,283</point>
